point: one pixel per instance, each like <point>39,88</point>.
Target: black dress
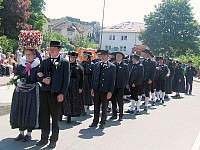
<point>179,75</point>
<point>25,102</point>
<point>73,103</point>
<point>88,69</point>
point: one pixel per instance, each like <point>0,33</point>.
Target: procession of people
<point>54,87</point>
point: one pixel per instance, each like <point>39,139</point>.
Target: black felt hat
<point>55,44</point>
<point>75,54</point>
<point>102,52</point>
<point>137,57</point>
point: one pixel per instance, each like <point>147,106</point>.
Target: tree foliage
<point>37,18</point>
<point>80,41</point>
<point>171,29</point>
<point>14,16</point>
<point>8,45</point>
<point>55,36</point>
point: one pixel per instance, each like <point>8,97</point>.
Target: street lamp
<point>102,24</point>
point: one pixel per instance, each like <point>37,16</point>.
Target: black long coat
<point>179,75</point>
<point>73,104</point>
<point>87,86</point>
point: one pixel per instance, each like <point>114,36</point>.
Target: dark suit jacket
<point>137,75</point>
<point>122,75</point>
<point>103,80</point>
<point>190,72</point>
<point>60,76</point>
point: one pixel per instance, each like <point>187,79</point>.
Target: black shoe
<point>146,108</point>
<point>102,126</point>
<point>113,117</point>
<point>93,125</point>
<point>108,109</point>
<point>137,113</point>
<point>84,114</point>
<point>69,120</point>
<point>52,145</point>
<point>120,118</point>
<point>153,103</point>
<point>42,143</point>
<point>27,138</point>
<point>130,111</point>
<point>19,137</point>
<point>162,102</point>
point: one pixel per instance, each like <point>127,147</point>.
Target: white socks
<point>85,107</point>
<point>146,101</point>
<point>28,133</point>
<point>22,132</point>
<point>132,105</point>
<point>158,95</point>
<point>163,96</point>
<point>138,103</point>
<point>110,104</point>
<point>153,96</point>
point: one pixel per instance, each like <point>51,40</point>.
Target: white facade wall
<point>117,44</point>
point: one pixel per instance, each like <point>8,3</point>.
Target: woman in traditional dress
<point>73,104</point>
<point>178,82</point>
<point>88,69</point>
<point>24,107</point>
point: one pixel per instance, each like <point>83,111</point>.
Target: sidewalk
<point>4,80</point>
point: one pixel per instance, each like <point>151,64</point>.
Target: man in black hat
<point>103,83</point>
<point>88,67</point>
<point>162,73</point>
<point>54,75</point>
<point>122,76</point>
<point>136,84</point>
<point>190,73</point>
<point>149,73</point>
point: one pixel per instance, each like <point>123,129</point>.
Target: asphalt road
<point>173,126</point>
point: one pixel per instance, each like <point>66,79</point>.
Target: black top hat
<point>75,54</point>
<point>137,57</point>
<point>55,44</point>
<point>102,52</point>
<point>87,53</point>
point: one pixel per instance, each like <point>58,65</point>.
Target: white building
<point>122,37</point>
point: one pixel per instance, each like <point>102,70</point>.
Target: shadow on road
<point>89,133</point>
<point>11,144</point>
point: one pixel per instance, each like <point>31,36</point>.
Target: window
<point>110,37</point>
<point>113,37</point>
<point>106,47</point>
<point>124,48</point>
<point>110,48</point>
<point>125,37</point>
<point>121,48</point>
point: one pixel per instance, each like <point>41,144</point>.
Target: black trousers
<point>117,98</point>
<point>49,106</point>
<point>147,89</point>
<point>136,91</point>
<point>189,82</point>
<point>100,99</point>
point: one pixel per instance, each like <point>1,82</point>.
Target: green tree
<point>55,36</point>
<point>37,19</point>
<point>8,45</point>
<point>80,41</point>
<point>171,29</point>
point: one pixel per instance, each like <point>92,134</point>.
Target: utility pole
<point>102,25</point>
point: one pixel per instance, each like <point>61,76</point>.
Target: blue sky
<point>116,11</point>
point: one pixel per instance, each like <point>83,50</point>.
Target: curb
<point>5,109</point>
